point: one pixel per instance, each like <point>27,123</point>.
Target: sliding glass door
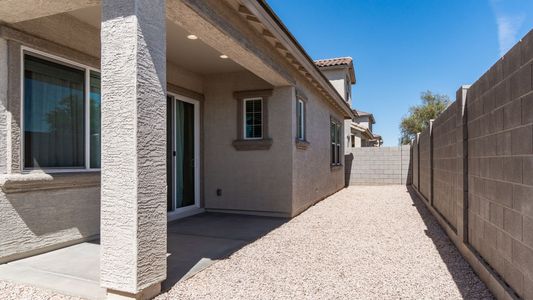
<point>182,148</point>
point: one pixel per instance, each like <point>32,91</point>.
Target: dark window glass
<point>336,133</point>
<point>301,120</point>
<point>95,120</point>
<point>253,116</point>
<point>54,114</point>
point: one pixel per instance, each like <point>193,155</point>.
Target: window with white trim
<point>335,129</point>
<point>253,118</point>
<point>300,117</point>
<point>61,114</point>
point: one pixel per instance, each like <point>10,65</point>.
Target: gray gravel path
<point>361,243</point>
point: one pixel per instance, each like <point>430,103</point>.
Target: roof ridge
<point>332,58</point>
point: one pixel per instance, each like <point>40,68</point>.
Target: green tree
<point>419,115</point>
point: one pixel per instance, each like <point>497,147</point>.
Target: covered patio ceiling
<point>191,54</point>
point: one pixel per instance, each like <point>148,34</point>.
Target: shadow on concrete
<point>467,281</point>
<point>196,242</point>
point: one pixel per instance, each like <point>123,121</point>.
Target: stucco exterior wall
<point>364,122</point>
<point>313,177</point>
<point>337,77</point>
<point>41,220</point>
<point>3,105</point>
<point>259,180</point>
<point>347,136</point>
<point>251,181</point>
<point>69,209</point>
<point>65,30</point>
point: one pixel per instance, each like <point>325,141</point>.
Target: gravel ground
<point>361,243</point>
<point>12,291</point>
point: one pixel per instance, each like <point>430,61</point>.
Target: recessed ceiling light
<point>223,56</point>
<point>192,37</point>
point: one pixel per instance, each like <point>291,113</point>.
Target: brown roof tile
<point>330,62</point>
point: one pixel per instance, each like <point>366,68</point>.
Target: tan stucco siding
<point>45,219</point>
<point>65,215</point>
<point>313,178</point>
<point>250,180</point>
<point>3,105</point>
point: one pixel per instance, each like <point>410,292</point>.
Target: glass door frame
<point>177,213</point>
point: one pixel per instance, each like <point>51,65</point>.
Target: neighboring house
<point>119,115</point>
<point>340,72</point>
<point>361,127</point>
<point>358,130</point>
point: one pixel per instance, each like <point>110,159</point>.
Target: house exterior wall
<point>76,203</point>
<point>259,182</point>
<point>364,122</point>
<point>43,220</point>
<point>3,105</point>
<point>48,216</point>
<point>347,136</point>
<point>251,181</point>
<point>313,177</point>
<point>337,77</point>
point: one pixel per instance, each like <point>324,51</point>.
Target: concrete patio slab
<point>73,270</point>
<point>194,243</point>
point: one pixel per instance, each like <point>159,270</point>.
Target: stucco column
<point>133,214</point>
<point>3,106</point>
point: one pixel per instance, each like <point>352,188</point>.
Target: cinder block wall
<point>414,162</point>
<point>479,183</point>
<point>424,164</point>
<point>378,166</point>
<point>446,165</point>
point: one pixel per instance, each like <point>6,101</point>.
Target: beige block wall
<point>313,177</point>
<point>424,164</point>
<point>446,165</point>
<point>500,150</point>
<point>378,166</point>
<point>495,225</point>
<point>414,160</point>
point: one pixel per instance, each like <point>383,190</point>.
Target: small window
<point>61,115</point>
<point>301,120</point>
<point>253,118</point>
<point>335,129</point>
<point>353,141</point>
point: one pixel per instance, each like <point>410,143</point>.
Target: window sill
<point>301,144</point>
<point>336,167</point>
<point>251,145</point>
<point>36,181</point>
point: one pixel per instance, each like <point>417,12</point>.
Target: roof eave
<point>306,60</point>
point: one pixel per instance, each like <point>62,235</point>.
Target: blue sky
<point>403,47</point>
